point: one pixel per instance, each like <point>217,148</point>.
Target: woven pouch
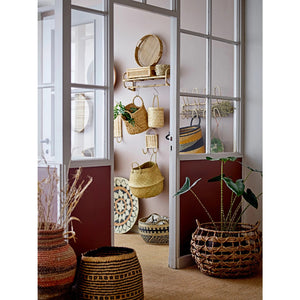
<point>155,115</point>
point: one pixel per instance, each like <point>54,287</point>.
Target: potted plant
<point>227,248</point>
<point>120,109</point>
<point>56,259</point>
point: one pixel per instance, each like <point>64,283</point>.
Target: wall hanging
<point>118,129</point>
<point>80,113</point>
<point>151,139</point>
<point>155,114</point>
<point>145,180</point>
<point>139,116</point>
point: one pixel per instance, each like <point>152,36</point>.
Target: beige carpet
<point>161,282</point>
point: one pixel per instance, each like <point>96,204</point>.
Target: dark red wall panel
<point>208,192</point>
<point>94,211</point>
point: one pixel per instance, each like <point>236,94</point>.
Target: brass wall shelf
<point>131,83</point>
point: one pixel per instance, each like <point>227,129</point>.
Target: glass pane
<point>223,68</point>
<point>87,124</point>
<point>46,48</point>
<point>193,15</point>
<point>222,129</point>
<point>46,131</point>
<point>94,4</point>
<point>192,64</point>
<point>192,125</point>
<point>87,52</point>
<point>223,18</point>
<point>160,3</point>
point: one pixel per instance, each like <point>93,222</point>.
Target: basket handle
<point>137,96</point>
<point>136,164</point>
<point>193,120</point>
<point>155,97</point>
<point>155,155</point>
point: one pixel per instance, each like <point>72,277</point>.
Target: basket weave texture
<point>155,115</point>
<point>156,232</point>
<point>227,254</point>
<point>110,273</point>
<point>56,264</point>
<point>151,139</point>
<point>140,117</point>
<point>146,181</point>
<point>118,126</point>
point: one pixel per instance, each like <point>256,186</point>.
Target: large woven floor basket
<point>227,254</point>
<point>110,273</point>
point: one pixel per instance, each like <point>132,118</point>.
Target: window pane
<point>192,125</point>
<point>95,4</point>
<point>192,64</point>
<point>223,68</point>
<point>193,15</point>
<point>87,52</point>
<point>222,126</point>
<point>223,18</point>
<point>87,124</point>
<point>160,3</point>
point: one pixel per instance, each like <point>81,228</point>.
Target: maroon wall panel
<point>208,193</point>
<point>94,211</point>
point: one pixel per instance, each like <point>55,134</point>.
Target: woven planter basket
<point>145,180</point>
<point>140,118</point>
<point>56,264</point>
<point>110,273</point>
<point>156,232</point>
<point>160,70</point>
<point>227,254</point>
<point>155,115</point>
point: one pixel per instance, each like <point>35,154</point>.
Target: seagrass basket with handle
<point>227,254</point>
<point>155,114</point>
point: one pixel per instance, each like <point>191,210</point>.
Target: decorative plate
<point>126,206</point>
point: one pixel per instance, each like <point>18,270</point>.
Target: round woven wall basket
<point>227,254</point>
<point>155,230</point>
<point>110,273</point>
<point>56,264</point>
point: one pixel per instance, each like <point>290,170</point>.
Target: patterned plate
<point>126,206</point>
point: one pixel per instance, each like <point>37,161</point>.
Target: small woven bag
<point>155,115</point>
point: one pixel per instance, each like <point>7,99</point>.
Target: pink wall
<point>208,192</point>
<point>94,211</point>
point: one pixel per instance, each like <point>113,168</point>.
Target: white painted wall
<point>253,100</point>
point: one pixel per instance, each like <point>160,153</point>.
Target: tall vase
<point>56,264</point>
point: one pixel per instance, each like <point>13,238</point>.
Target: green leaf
<point>214,179</point>
<point>186,186</point>
<point>250,198</point>
<point>237,187</point>
<point>224,159</point>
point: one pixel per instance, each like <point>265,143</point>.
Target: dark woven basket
<point>110,273</point>
<point>227,254</point>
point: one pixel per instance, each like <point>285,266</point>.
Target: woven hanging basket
<point>56,264</point>
<point>110,273</point>
<point>140,117</point>
<point>151,139</point>
<point>145,180</point>
<point>227,254</point>
<point>155,115</point>
<point>154,229</point>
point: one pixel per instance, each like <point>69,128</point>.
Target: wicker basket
<point>160,70</point>
<point>110,273</point>
<point>151,139</point>
<point>154,229</point>
<point>140,117</point>
<point>155,115</point>
<point>227,254</point>
<point>145,180</point>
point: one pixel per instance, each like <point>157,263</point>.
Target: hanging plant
<point>120,109</point>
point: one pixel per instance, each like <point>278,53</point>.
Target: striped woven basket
<point>154,229</point>
<point>227,254</point>
<point>56,264</point>
<point>110,273</point>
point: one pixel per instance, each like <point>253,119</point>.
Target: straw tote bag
<point>155,115</point>
<point>139,114</point>
<point>146,181</point>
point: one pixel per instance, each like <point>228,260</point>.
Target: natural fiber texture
<point>110,273</point>
<point>156,232</point>
<point>148,50</point>
<point>56,264</point>
<point>161,69</point>
<point>227,253</point>
<point>140,117</point>
<point>155,114</point>
<point>191,139</point>
<point>118,127</point>
<point>151,139</point>
<point>146,181</point>
<point>140,72</point>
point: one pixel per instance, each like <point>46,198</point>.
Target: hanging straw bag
<point>155,115</point>
<point>146,181</point>
<point>139,114</point>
